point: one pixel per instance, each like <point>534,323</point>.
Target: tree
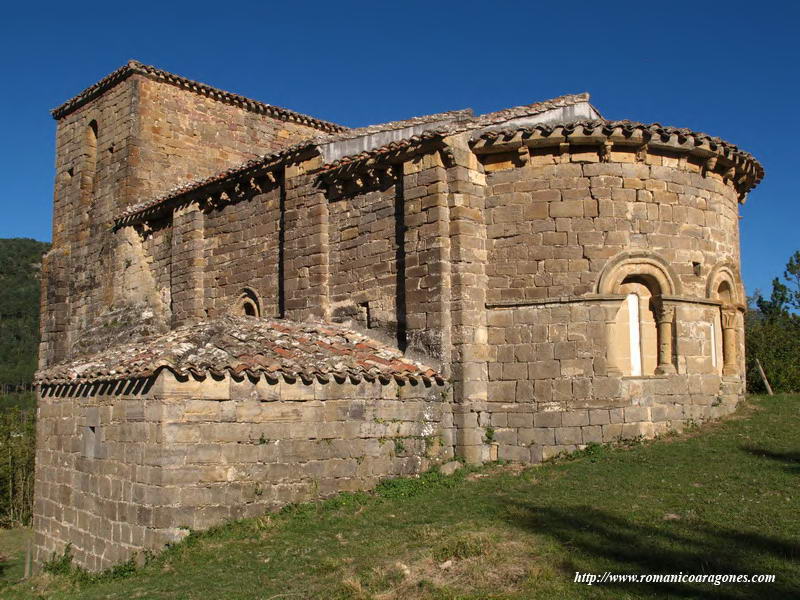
<point>773,333</point>
<point>20,263</point>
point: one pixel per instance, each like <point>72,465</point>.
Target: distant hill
<point>20,265</point>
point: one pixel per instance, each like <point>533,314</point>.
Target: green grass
<point>723,499</point>
<point>13,545</point>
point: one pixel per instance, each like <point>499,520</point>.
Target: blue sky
<point>729,69</point>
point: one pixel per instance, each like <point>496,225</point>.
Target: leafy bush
<point>17,451</point>
<point>772,333</point>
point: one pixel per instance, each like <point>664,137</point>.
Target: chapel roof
<point>156,74</point>
<point>382,139</point>
<point>239,346</point>
<point>654,135</point>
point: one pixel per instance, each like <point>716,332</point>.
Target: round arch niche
<point>248,304</point>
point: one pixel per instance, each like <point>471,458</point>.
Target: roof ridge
<point>136,67</point>
<point>462,115</point>
<point>532,108</point>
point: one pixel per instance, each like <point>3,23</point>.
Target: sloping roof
<point>455,116</point>
<point>253,165</point>
<point>439,124</point>
<point>478,124</point>
<point>529,110</point>
<point>654,134</point>
<point>134,66</point>
<point>285,154</point>
<point>251,346</point>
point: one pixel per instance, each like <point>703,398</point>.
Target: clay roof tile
<point>245,345</point>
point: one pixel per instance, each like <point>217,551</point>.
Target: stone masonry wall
<point>182,136</point>
<point>241,249</point>
<point>555,224</point>
<point>151,136</point>
<point>549,391</point>
<point>122,471</point>
<point>363,258</point>
<point>90,183</point>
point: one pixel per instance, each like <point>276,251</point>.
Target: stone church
<point>245,306</point>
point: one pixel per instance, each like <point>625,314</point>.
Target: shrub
<point>772,333</point>
<point>17,451</point>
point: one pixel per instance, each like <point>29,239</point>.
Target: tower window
<point>89,161</point>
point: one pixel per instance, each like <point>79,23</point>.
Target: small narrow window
<point>364,315</point>
<point>248,304</point>
<point>89,162</point>
<point>634,332</point>
<point>90,442</point>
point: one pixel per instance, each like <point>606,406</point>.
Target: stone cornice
<point>595,298</point>
<point>714,154</point>
<point>156,74</point>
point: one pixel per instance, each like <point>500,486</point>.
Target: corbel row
<point>714,156</point>
<point>355,178</point>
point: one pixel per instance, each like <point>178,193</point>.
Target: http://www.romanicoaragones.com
<point>712,579</point>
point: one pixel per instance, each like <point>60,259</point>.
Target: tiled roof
<point>251,346</point>
<point>157,74</point>
<point>457,116</point>
<point>280,156</point>
<point>253,165</point>
<point>476,123</point>
<point>675,138</point>
<point>528,110</point>
<point>391,147</point>
<point>488,128</point>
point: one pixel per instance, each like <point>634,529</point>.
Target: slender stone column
<point>665,315</point>
<point>729,342</point>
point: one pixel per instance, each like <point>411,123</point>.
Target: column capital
<point>729,318</point>
<point>664,310</point>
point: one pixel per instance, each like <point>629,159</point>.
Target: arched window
<point>637,333</point>
<point>634,334</point>
<point>248,304</point>
<point>639,330</point>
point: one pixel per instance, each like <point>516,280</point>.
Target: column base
<point>668,369</point>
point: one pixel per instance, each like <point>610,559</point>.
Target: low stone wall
<point>123,468</point>
<point>643,407</point>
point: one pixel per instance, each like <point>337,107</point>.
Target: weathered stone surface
<point>512,262</point>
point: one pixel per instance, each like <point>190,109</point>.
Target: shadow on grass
<point>790,459</point>
<point>598,541</point>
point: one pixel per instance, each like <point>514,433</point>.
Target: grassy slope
<point>721,502</point>
<point>13,544</point>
